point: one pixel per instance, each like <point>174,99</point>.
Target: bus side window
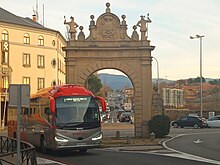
<point>47,111</point>
<point>30,111</point>
<point>48,114</point>
<point>26,111</point>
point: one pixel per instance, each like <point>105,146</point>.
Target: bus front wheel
<point>83,150</point>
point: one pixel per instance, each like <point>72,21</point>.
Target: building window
<point>41,41</point>
<point>5,35</point>
<point>26,80</point>
<point>53,83</point>
<point>59,65</point>
<point>5,58</point>
<point>59,82</point>
<point>26,38</point>
<point>53,62</point>
<point>53,43</point>
<point>40,61</point>
<point>26,60</point>
<point>5,82</point>
<point>40,83</point>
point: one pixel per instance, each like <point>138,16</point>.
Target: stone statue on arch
<point>143,24</point>
<point>72,27</point>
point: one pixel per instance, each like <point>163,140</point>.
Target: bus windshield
<point>77,112</point>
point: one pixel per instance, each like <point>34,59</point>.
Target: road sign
<point>19,94</point>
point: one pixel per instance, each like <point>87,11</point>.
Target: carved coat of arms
<point>108,28</point>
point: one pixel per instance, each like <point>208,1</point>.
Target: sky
<point>173,22</point>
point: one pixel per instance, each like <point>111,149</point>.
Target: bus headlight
<point>98,137</point>
<point>60,139</point>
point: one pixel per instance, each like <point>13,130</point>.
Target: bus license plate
<point>80,144</point>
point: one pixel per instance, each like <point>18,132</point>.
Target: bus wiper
<point>70,123</point>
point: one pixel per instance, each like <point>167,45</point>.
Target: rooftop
<point>10,18</point>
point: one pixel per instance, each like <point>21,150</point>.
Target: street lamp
<point>200,38</point>
<point>157,73</point>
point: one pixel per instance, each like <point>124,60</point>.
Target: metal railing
<point>8,152</point>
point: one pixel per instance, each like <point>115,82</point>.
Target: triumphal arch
<point>108,46</point>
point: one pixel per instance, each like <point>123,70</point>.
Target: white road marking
<point>43,161</point>
<point>197,141</point>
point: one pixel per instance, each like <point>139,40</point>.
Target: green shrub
<point>160,125</point>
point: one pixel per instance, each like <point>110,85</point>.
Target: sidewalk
<point>143,148</point>
<point>40,161</point>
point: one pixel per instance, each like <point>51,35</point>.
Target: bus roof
<point>63,90</point>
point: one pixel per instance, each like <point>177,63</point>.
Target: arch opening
<point>118,91</point>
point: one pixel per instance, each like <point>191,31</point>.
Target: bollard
<point>117,134</point>
<point>152,136</point>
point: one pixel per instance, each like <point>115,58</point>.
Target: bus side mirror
<point>52,106</point>
<point>103,103</point>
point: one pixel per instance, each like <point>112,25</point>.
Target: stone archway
<point>109,47</point>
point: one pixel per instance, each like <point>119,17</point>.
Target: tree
<point>160,125</point>
<point>104,91</point>
<point>215,82</point>
<point>197,80</point>
<point>190,81</point>
<point>94,84</point>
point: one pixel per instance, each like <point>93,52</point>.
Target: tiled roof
<point>8,17</point>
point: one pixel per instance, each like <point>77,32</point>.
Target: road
<point>204,145</point>
<point>103,157</point>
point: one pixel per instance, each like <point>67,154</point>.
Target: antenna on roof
<point>37,10</point>
<point>43,14</point>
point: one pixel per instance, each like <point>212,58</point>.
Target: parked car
<point>189,121</point>
<point>119,112</point>
<point>125,117</point>
<point>105,116</point>
<point>214,121</point>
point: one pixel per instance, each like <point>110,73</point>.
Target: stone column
<point>71,72</point>
<point>146,96</point>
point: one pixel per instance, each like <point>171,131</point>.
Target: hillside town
<point>179,97</point>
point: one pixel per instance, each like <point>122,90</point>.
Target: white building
<point>172,98</point>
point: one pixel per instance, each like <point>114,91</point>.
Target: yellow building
<point>30,54</point>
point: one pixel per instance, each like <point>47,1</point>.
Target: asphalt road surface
<point>103,157</point>
<point>204,144</point>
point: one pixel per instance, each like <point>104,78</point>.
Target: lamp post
<point>157,73</point>
<point>200,38</point>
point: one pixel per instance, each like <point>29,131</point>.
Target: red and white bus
<point>61,117</point>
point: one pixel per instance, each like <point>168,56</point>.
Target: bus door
<point>48,129</point>
<point>30,127</point>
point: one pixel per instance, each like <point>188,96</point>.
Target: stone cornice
<point>110,48</point>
